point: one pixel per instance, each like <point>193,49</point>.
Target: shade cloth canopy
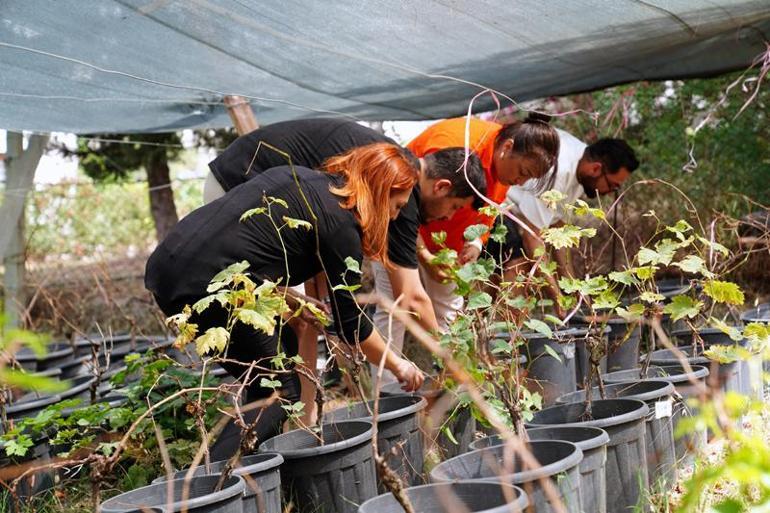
<point>89,66</point>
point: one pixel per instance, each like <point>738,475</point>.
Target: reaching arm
<point>406,372</point>
<point>415,299</point>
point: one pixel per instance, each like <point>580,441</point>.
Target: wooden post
<point>20,168</point>
<point>241,114</point>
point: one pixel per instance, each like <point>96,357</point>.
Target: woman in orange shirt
<point>511,154</point>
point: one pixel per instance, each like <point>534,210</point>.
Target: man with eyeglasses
<point>583,171</point>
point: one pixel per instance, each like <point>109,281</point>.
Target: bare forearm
<point>374,348</point>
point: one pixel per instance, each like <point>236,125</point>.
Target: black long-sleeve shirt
<point>213,237</point>
<point>310,142</point>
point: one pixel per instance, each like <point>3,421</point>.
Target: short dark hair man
<point>583,171</point>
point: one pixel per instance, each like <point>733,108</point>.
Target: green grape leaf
<point>224,277</point>
<point>439,238</point>
<point>723,292</point>
<point>540,327</point>
<point>606,300</point>
<point>625,277</point>
<point>731,331</point>
<point>213,340</point>
<point>683,306</point>
<point>551,352</point>
<point>634,312</point>
<point>273,199</point>
<point>478,299</point>
<point>566,236</point>
<point>552,198</point>
<point>475,231</point>
<point>297,223</point>
<point>693,264</point>
<point>651,297</point>
<point>256,319</point>
<point>18,446</point>
<point>270,383</point>
<point>715,246</point>
<point>352,265</point>
<point>582,208</point>
<point>252,212</point>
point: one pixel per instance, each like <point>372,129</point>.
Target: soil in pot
<point>558,460</point>
<point>592,441</point>
<point>262,480</point>
<point>659,427</point>
<point>457,418</point>
<point>194,496</point>
<point>475,496</point>
<point>399,439</point>
<point>623,420</point>
<point>333,477</point>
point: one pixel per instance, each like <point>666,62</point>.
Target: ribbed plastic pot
<point>80,387</point>
<point>56,355</point>
<point>728,374</point>
<point>475,496</point>
<point>195,496</point>
<point>462,424</point>
<point>659,435</point>
<point>758,366</point>
<point>558,460</point>
<point>262,480</point>
<point>549,376</point>
<point>331,478</point>
<point>622,342</point>
<point>119,346</point>
<point>677,375</point>
<point>592,441</point>
<point>30,405</point>
<point>623,420</point>
<point>31,485</point>
<point>399,439</point>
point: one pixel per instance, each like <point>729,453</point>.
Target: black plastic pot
<point>56,355</point>
<point>331,478</point>
<point>622,342</point>
<point>475,496</point>
<point>119,346</point>
<point>399,439</point>
<point>262,480</point>
<point>31,485</point>
<point>558,460</point>
<point>682,381</point>
<point>659,435</point>
<point>758,366</point>
<point>592,441</point>
<point>30,405</point>
<point>728,375</point>
<point>200,494</point>
<point>549,376</point>
<point>459,420</point>
<point>623,420</point>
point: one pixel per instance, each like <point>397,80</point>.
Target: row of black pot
<point>552,377</point>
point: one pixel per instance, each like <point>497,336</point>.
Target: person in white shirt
<point>583,171</point>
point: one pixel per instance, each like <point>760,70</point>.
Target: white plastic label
<point>663,409</point>
<point>568,350</point>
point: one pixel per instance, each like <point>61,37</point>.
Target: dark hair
<point>534,138</point>
<point>448,164</point>
<point>613,154</point>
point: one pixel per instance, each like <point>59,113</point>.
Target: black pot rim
<point>760,314</point>
<point>522,500</point>
<point>27,355</point>
<point>253,464</point>
<point>419,403</point>
<point>234,487</point>
<point>664,388</point>
<point>595,437</point>
<point>639,411</point>
<point>292,454</point>
<point>524,476</point>
<point>680,374</point>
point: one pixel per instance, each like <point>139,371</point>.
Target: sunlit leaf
<point>540,327</point>
<point>724,292</point>
<point>252,212</point>
<point>683,306</point>
<point>213,340</point>
<point>297,223</point>
<point>478,299</point>
<point>566,236</point>
<point>475,231</point>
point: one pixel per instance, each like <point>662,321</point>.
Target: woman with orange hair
<point>346,211</point>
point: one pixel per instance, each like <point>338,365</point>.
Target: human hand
<point>469,253</point>
<point>409,375</point>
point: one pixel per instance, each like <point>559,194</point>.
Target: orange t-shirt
<point>448,134</point>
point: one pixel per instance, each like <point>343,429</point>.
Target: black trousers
<point>246,346</point>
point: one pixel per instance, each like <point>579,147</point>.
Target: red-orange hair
<point>372,173</point>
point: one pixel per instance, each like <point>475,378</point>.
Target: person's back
<point>213,236</point>
<point>308,142</point>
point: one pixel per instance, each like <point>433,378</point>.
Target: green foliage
<point>724,292</point>
<point>567,236</point>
